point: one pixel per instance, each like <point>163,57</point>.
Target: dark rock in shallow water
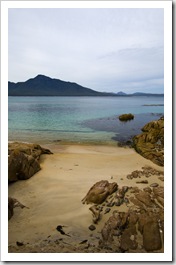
<point>126,117</point>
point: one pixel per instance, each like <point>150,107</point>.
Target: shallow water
<point>79,119</point>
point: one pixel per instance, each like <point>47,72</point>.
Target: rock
<point>128,239</point>
<point>126,117</point>
<point>142,182</point>
<point>147,189</point>
<point>10,207</point>
<point>161,178</point>
<point>159,194</point>
<point>145,198</point>
<point>159,191</point>
<point>29,149</point>
<point>19,244</point>
<point>92,227</point>
<point>110,204</point>
<point>150,143</point>
<point>96,213</point>
<point>117,221</point>
<point>21,166</point>
<point>23,160</point>
<point>133,218</point>
<point>118,202</point>
<point>151,236</point>
<point>99,192</point>
<point>107,210</point>
<point>154,185</point>
<point>12,203</point>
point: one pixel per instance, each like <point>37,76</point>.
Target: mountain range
<point>42,85</point>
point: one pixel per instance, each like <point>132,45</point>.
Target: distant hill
<point>42,85</point>
<point>45,86</point>
<point>138,94</point>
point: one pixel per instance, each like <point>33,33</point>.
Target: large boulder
<point>150,143</point>
<point>23,160</point>
<point>21,166</point>
<point>99,192</point>
<point>126,117</point>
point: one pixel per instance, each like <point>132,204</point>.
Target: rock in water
<point>99,192</point>
<point>126,117</point>
<point>150,143</point>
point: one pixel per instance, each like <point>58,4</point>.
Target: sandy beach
<point>53,196</point>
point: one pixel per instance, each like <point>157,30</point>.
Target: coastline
<point>54,196</point>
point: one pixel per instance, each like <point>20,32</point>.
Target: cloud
<point>104,49</point>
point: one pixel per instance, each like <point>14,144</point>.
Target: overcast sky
<point>104,49</point>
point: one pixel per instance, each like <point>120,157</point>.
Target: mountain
<point>45,86</point>
<point>42,85</point>
<point>138,94</point>
<point>121,94</point>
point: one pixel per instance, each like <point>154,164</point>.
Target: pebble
<point>92,227</point>
<point>142,181</point>
<point>19,244</point>
<point>154,185</point>
<point>107,210</point>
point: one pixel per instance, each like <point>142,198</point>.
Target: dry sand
<point>54,195</point>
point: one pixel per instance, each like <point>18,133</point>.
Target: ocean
<point>85,120</point>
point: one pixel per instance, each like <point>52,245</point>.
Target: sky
<point>108,49</point>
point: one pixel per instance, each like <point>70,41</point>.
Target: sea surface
<point>79,119</point>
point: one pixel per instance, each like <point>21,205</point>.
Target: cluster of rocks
<point>146,171</point>
<point>139,228</point>
<point>23,160</point>
<point>150,143</point>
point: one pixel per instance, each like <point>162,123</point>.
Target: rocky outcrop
<point>135,215</point>
<point>140,228</point>
<point>150,143</point>
<point>126,117</point>
<point>23,160</point>
<point>99,192</point>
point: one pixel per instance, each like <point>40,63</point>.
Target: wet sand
<point>54,196</point>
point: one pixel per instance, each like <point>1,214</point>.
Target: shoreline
<point>54,196</point>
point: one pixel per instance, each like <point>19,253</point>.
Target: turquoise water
<point>79,119</point>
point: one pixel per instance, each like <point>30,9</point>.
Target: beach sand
<point>53,196</point>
